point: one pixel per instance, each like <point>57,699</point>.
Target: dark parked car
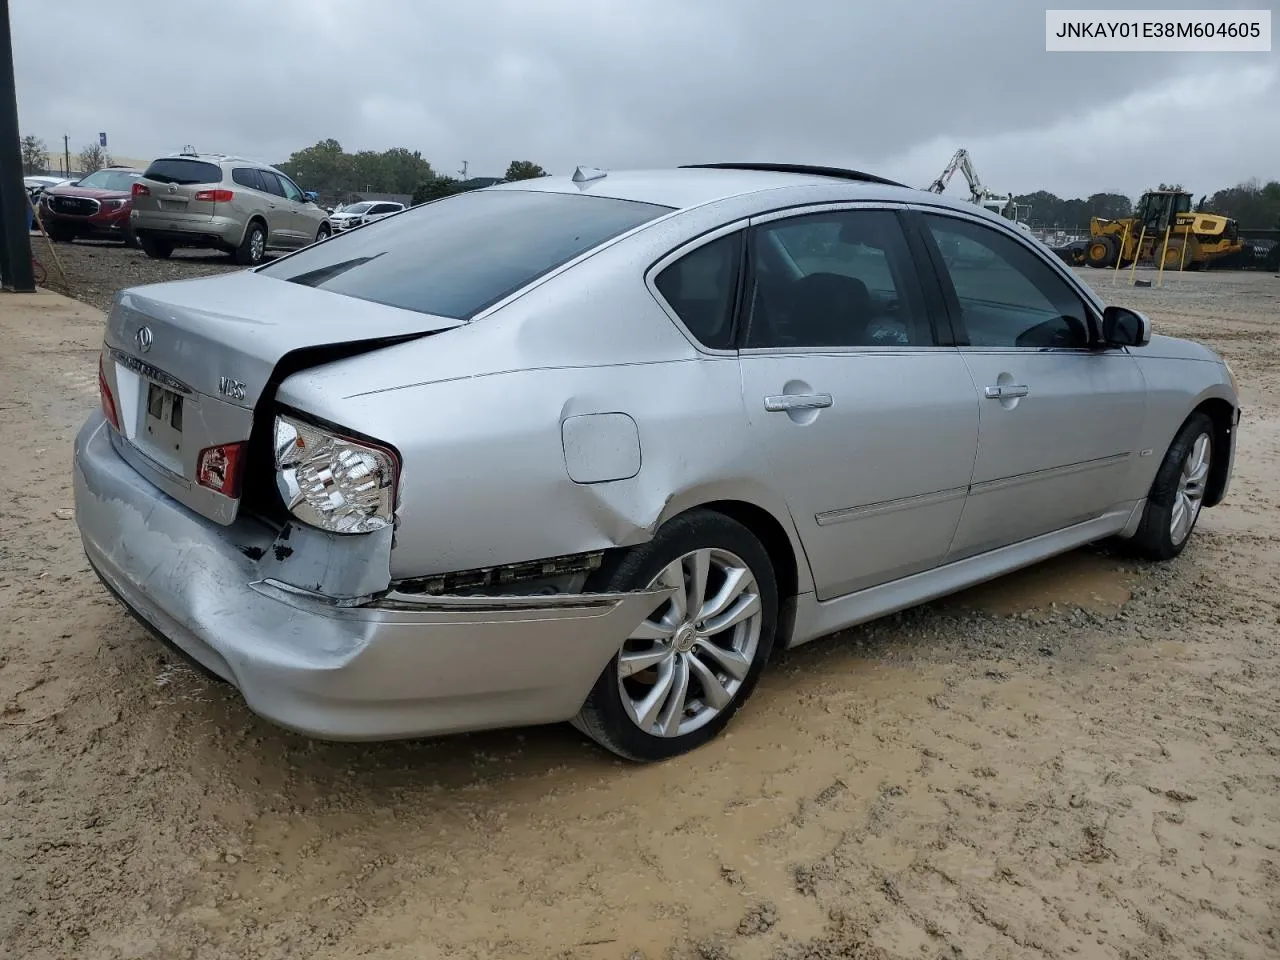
<point>96,206</point>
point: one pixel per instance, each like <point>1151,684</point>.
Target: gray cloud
<point>893,86</point>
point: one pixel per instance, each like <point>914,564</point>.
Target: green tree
<point>330,170</point>
<point>435,188</point>
<point>403,170</point>
<point>93,157</point>
<point>1253,205</point>
<point>35,155</point>
<point>324,168</point>
<point>524,170</point>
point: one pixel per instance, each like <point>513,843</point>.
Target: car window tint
<point>247,177</point>
<point>271,183</point>
<point>700,288</point>
<point>1008,296</point>
<point>183,171</point>
<point>840,279</point>
<point>459,255</point>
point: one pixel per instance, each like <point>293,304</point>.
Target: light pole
<point>15,261</point>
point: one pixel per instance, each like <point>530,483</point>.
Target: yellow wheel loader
<point>1194,239</point>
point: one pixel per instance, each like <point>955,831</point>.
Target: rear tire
<point>710,658</point>
<point>131,240</point>
<point>1177,494</point>
<point>156,249</point>
<point>1102,252</point>
<point>253,247</point>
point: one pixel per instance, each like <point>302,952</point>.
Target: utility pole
<point>15,258</point>
<point>66,155</point>
<point>463,171</point>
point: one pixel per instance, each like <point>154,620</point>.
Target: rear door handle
<point>797,401</point>
<point>1008,391</point>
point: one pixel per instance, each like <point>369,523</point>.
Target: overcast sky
<point>893,86</point>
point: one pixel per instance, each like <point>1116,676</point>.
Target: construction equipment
<point>1163,229</point>
<point>1005,206</point>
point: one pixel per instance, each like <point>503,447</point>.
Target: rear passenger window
<point>246,177</point>
<point>700,287</point>
<point>839,279</point>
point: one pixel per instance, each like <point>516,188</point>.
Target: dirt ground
<point>1079,760</point>
<point>93,270</point>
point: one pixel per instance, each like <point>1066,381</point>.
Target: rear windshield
<point>457,256</point>
<point>182,171</point>
<point>121,180</point>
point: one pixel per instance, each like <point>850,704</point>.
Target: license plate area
<point>163,420</point>
<point>173,204</point>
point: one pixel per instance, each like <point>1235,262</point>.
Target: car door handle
<point>797,401</point>
<point>1008,391</point>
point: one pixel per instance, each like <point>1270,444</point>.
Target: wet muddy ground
<point>1082,759</point>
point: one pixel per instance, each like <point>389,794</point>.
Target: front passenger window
<point>291,190</point>
<point>1008,296</point>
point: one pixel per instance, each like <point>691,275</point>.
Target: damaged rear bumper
<point>403,666</point>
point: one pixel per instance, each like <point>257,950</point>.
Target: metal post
<point>1164,254</point>
<point>66,155</point>
<point>1124,242</point>
<point>1137,254</point>
<point>15,263</point>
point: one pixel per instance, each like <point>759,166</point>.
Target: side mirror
<point>1122,327</point>
<point>311,196</point>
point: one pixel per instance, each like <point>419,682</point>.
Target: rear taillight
<point>335,482</point>
<point>218,468</point>
<point>141,190</point>
<point>104,394</point>
<point>215,196</point>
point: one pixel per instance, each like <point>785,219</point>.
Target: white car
<point>364,212</point>
<point>38,184</point>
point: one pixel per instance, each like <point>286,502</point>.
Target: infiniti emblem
<point>143,336</point>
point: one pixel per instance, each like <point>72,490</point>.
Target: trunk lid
<point>187,361</point>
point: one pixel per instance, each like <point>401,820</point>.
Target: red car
<point>96,206</point>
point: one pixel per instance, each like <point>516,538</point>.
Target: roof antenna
<point>585,174</point>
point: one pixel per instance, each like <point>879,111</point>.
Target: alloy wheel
<point>1189,496</point>
<point>685,664</point>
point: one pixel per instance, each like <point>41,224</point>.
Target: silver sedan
<point>590,448</point>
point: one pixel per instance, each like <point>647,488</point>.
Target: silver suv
<point>223,203</point>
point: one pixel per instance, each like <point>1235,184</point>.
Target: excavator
<point>1195,239</point>
<point>1005,206</point>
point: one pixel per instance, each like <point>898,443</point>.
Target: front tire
<point>324,233</point>
<point>1102,252</point>
<point>1177,495</point>
<point>685,671</point>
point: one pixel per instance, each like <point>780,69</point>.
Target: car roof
<point>216,158</point>
<point>695,185</point>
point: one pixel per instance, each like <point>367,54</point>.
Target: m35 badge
<point>235,389</point>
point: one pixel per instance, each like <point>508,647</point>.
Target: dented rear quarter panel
<point>476,413</point>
